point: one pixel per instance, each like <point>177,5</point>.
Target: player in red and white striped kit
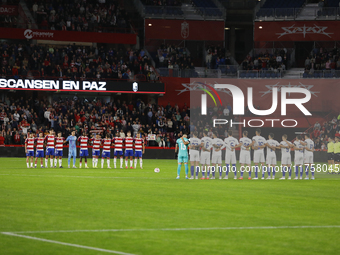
<point>49,148</point>
<point>40,141</point>
<point>29,150</point>
<point>96,142</point>
<point>84,153</point>
<point>128,149</point>
<point>59,144</point>
<point>106,150</point>
<point>118,141</point>
<point>139,150</point>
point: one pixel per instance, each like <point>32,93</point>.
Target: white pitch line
<point>173,229</point>
<point>66,244</point>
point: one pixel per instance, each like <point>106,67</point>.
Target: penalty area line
<point>176,229</point>
<point>65,244</point>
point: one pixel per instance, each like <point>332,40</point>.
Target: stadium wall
<point>154,153</point>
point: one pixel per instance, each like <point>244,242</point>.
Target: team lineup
<point>134,148</point>
<point>202,160</point>
<point>205,154</point>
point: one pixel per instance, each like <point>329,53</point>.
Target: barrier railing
<point>320,13</point>
<point>189,73</point>
<point>321,74</point>
<point>229,70</point>
<point>259,74</point>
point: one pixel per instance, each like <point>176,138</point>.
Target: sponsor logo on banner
<point>8,10</point>
<point>304,30</point>
<point>135,86</point>
<point>185,29</point>
<point>29,34</point>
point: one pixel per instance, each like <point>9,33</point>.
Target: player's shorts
<point>337,157</point>
<point>106,154</point>
<point>205,158</point>
<point>309,159</point>
<point>245,158</point>
<point>271,160</point>
<point>30,154</point>
<point>298,160</point>
<point>96,153</point>
<point>128,153</point>
<point>330,156</point>
<point>183,159</point>
<point>50,152</point>
<point>39,154</point>
<point>84,153</point>
<point>138,154</point>
<point>259,156</point>
<point>120,153</point>
<point>286,160</point>
<point>72,153</point>
<point>216,159</point>
<point>194,155</point>
<point>230,157</point>
<point>58,153</point>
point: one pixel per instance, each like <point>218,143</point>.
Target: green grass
<point>94,199</point>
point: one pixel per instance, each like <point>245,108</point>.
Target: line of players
<point>134,147</point>
<point>303,150</point>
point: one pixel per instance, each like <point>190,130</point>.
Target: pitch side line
<point>66,244</point>
<point>174,229</point>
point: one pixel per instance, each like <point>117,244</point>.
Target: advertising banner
<point>11,10</point>
<point>198,30</point>
<point>296,31</point>
<point>70,36</point>
<point>83,86</point>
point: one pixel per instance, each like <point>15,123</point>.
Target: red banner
<point>297,31</point>
<point>9,10</point>
<point>198,30</point>
<point>172,95</point>
<point>70,36</point>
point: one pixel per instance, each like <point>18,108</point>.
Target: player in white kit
<point>308,155</point>
<point>272,145</point>
<point>298,157</point>
<point>230,155</point>
<point>259,142</point>
<point>245,144</point>
<point>216,158</point>
<point>286,158</point>
<point>195,144</point>
<point>206,144</point>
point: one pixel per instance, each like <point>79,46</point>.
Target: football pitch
<point>138,211</point>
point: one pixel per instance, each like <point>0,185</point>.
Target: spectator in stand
<point>72,62</point>
<point>2,139</point>
<point>92,15</point>
<point>81,115</point>
<point>317,125</point>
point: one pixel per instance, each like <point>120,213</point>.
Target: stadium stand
<point>328,8</point>
<point>17,117</point>
<point>279,8</point>
<point>153,7</point>
<point>322,63</point>
<point>93,16</point>
<point>162,2</point>
<point>207,7</point>
<point>76,62</point>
